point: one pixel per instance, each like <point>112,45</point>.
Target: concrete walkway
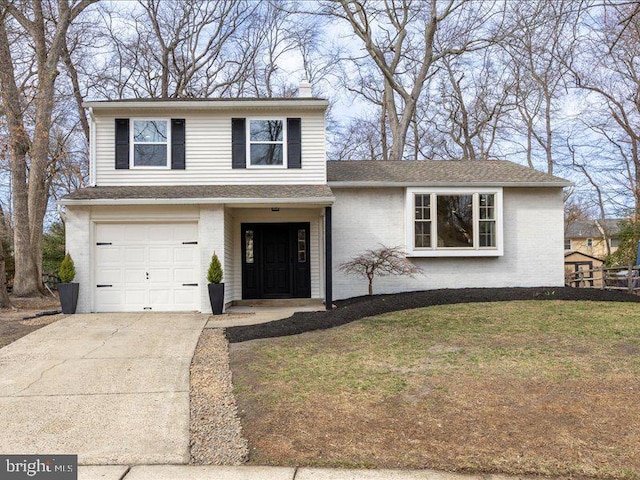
<point>175,472</point>
<point>240,316</point>
<point>112,388</point>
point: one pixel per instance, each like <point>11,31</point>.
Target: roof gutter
<point>207,105</point>
<point>325,201</point>
<point>556,184</point>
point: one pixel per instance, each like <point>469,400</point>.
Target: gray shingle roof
<point>439,172</point>
<point>202,192</point>
<point>589,229</point>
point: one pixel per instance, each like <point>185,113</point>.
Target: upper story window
<point>589,242</point>
<point>267,142</point>
<point>567,244</point>
<point>150,141</point>
<point>463,222</point>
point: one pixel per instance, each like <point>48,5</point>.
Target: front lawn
<point>515,387</point>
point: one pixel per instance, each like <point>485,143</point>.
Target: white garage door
<point>146,267</point>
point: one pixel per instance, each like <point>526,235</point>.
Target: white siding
<point>533,243</point>
<point>264,215</point>
<point>208,152</point>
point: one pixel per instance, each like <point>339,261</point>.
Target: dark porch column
<point>328,274</point>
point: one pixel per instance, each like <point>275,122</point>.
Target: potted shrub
<point>216,288</point>
<point>67,290</point>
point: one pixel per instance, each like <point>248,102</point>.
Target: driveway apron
<point>111,388</point>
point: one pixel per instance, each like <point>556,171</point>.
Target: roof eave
<point>376,184</point>
<point>304,103</point>
<point>323,201</point>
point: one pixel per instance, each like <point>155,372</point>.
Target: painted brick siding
<point>78,242</point>
<point>533,253</point>
<point>212,238</point>
<point>208,152</point>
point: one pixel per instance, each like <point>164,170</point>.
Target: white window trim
<point>284,143</point>
<point>132,144</point>
<point>475,251</point>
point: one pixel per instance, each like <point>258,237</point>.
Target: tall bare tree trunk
<point>30,156</point>
<point>4,296</point>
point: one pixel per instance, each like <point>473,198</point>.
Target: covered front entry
<point>275,260</point>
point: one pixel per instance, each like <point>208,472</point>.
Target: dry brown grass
<point>517,387</point>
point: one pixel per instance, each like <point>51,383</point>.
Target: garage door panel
<point>160,255</point>
<point>110,255</point>
<point>136,233</point>
<point>185,254</point>
<point>109,300</point>
<point>184,275</point>
<point>136,250</point>
<point>133,255</point>
<point>186,296</point>
<point>185,233</point>
<point>114,232</point>
<point>160,275</point>
<point>134,277</point>
<point>109,275</point>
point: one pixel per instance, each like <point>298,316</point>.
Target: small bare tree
<point>382,262</point>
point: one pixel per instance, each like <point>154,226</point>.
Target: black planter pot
<point>68,293</point>
<point>216,297</point>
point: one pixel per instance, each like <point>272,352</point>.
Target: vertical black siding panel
<point>122,143</point>
<point>294,144</point>
<point>178,144</point>
<point>238,143</point>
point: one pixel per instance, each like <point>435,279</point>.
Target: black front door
<point>275,260</point>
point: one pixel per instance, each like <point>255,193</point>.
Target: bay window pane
<point>455,221</point>
<point>423,207</point>
<point>266,154</point>
<point>487,233</point>
<point>423,235</point>
<point>149,155</point>
<point>487,206</point>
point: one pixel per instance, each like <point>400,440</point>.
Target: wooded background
<point>550,84</point>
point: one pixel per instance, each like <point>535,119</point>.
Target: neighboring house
<point>592,236</point>
<point>175,180</point>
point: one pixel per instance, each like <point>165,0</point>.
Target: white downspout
<point>92,149</point>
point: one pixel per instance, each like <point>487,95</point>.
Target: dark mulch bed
<point>360,307</point>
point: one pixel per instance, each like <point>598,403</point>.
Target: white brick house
<point>173,181</point>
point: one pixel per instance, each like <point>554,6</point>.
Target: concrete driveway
<point>112,388</point>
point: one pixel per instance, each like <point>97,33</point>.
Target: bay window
<point>445,222</point>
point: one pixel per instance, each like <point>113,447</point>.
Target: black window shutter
<point>294,144</point>
<point>238,143</point>
<point>177,144</point>
<point>122,143</point>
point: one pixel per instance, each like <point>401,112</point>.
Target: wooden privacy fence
<point>606,278</point>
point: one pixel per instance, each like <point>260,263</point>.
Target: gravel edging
<point>360,307</point>
<point>214,426</point>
